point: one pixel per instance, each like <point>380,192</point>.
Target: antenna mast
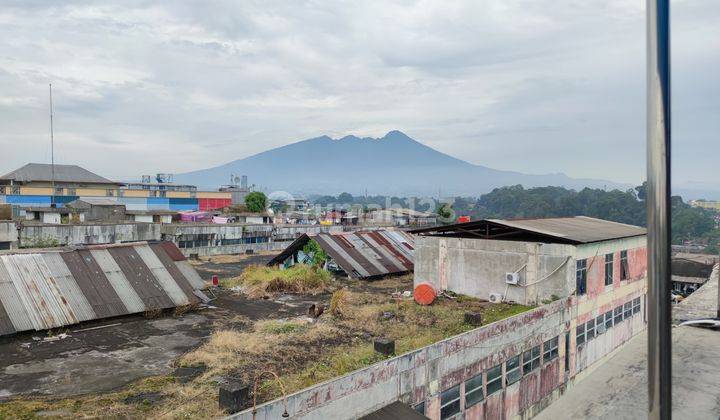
<point>52,151</point>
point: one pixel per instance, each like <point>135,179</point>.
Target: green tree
<point>345,198</point>
<point>317,255</point>
<point>256,202</point>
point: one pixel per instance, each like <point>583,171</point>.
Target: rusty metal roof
<point>568,230</point>
<point>42,289</point>
<point>361,254</point>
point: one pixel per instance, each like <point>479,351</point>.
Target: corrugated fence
<point>43,289</point>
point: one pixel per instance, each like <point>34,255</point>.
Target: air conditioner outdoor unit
<point>512,278</point>
<point>496,297</point>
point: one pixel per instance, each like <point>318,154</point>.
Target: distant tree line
<point>688,223</point>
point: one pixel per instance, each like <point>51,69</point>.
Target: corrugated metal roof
<point>361,254</point>
<point>63,173</point>
<point>569,230</point>
<point>190,274</point>
<point>394,411</point>
<point>42,289</point>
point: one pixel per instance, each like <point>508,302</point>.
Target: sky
<point>536,86</point>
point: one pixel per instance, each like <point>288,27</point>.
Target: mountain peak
<point>396,135</point>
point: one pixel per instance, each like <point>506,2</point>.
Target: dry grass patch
<point>225,351</point>
<point>258,281</point>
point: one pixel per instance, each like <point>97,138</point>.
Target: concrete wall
<point>8,235</point>
<point>88,234</point>
<point>477,267</point>
<point>51,218</point>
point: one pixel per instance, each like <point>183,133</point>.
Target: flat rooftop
<point>617,389</point>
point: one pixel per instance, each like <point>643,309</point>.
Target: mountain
<point>392,165</point>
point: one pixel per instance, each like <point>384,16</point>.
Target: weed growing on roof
<point>257,281</point>
<point>339,302</point>
<point>276,326</point>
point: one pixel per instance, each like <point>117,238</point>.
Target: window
<point>109,193</point>
<point>636,305</point>
<point>623,265</point>
<point>58,190</point>
<point>494,379</point>
<point>590,330</point>
<point>72,191</point>
<point>599,325</point>
<point>580,335</point>
<point>420,407</point>
<point>450,402</point>
<point>512,370</point>
<point>474,390</point>
<point>531,360</point>
<point>628,310</point>
<point>15,190</point>
<point>608,269</point>
<point>581,276</point>
<point>618,314</point>
<point>550,350</point>
<point>608,320</point>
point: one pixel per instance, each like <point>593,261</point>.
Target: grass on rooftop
<point>258,281</point>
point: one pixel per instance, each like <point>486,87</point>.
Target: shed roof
<point>95,201</point>
<point>361,254</point>
<point>50,288</point>
<point>394,411</point>
<point>569,230</point>
<point>63,173</point>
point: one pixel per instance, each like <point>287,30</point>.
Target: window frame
<point>579,335</point>
<point>498,379</point>
<point>534,361</point>
<point>455,399</point>
<point>474,390</point>
<point>513,370</point>
<point>627,310</point>
<point>618,315</point>
<point>15,190</point>
<point>600,320</point>
<point>609,273</point>
<point>552,353</point>
<point>609,319</point>
<point>624,267</point>
<point>636,305</point>
<point>590,330</point>
<point>581,276</point>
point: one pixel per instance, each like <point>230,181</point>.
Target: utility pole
<point>658,210</point>
<point>52,151</point>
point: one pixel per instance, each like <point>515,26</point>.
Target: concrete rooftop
<point>617,389</point>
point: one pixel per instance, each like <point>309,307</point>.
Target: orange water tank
<point>424,293</point>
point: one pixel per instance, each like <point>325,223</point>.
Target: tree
<point>256,202</point>
<point>345,198</point>
<point>317,255</point>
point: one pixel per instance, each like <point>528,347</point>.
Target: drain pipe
<point>658,209</point>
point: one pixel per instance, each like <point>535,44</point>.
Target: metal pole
<point>52,151</point>
<point>658,208</point>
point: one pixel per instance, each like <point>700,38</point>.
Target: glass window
<point>580,335</point>
<point>15,190</point>
<point>590,330</point>
<point>581,276</point>
<point>618,314</point>
<point>636,305</point>
<point>550,350</point>
<point>450,402</point>
<point>494,379</point>
<point>474,390</point>
<point>599,321</point>
<point>531,360</point>
<point>608,319</point>
<point>420,407</point>
<point>628,310</point>
<point>2,190</point>
<point>624,265</point>
<point>59,190</point>
<point>608,269</point>
<point>512,370</point>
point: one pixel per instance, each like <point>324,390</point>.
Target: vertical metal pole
<point>52,151</point>
<point>658,208</point>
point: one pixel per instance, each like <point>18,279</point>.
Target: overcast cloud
<point>535,86</point>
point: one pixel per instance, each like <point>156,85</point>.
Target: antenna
<point>52,151</point>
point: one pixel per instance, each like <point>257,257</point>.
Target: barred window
<point>450,402</point>
<point>512,370</point>
<point>474,390</point>
<point>550,350</point>
<point>531,360</point>
<point>494,379</point>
